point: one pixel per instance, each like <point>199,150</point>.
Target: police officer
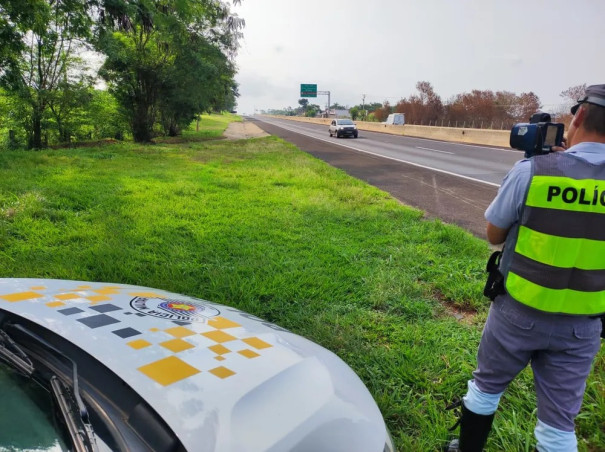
<point>550,212</point>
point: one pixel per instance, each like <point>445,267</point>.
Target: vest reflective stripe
<point>558,263</point>
<point>586,195</point>
<point>569,224</point>
<point>584,254</point>
<point>562,301</point>
<point>558,277</point>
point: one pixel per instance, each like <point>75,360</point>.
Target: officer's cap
<point>595,94</point>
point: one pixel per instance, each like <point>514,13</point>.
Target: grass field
<point>261,226</point>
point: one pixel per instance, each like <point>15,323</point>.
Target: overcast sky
<point>382,48</point>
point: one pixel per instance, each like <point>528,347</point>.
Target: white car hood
<point>223,380</point>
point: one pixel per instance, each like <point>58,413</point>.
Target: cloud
<point>355,47</point>
<point>512,59</point>
<point>256,85</point>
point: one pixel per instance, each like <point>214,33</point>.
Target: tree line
<point>478,108</point>
<point>162,62</point>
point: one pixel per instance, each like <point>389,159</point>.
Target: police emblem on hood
<point>174,309</point>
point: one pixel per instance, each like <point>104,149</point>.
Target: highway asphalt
<point>451,181</point>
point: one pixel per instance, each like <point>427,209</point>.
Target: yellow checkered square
<point>179,331</point>
<point>176,345</point>
<point>256,343</point>
<point>221,323</point>
<point>219,349</point>
<point>98,298</point>
<point>139,344</point>
<point>219,336</point>
<point>20,296</point>
<point>248,353</point>
<point>67,296</point>
<point>168,370</point>
<point>221,372</point>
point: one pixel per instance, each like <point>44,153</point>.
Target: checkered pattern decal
<point>218,338</point>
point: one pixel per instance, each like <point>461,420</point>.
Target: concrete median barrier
<point>486,137</point>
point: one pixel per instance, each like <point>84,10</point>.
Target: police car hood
<point>223,380</point>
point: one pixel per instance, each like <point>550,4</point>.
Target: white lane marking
<point>389,158</point>
<point>435,150</point>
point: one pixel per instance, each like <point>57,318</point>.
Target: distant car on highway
<point>396,119</point>
<point>343,128</point>
<point>97,367</point>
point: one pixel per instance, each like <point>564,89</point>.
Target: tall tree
<point>433,107</point>
<point>571,95</point>
<point>505,103</point>
<point>424,107</point>
<point>382,113</point>
<point>67,106</point>
<point>574,93</point>
<point>148,44</point>
<point>49,37</point>
<point>103,116</point>
<point>486,107</point>
<point>16,17</point>
<point>529,103</point>
<point>200,80</point>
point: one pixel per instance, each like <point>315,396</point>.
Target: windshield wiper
<point>80,430</point>
<point>11,354</point>
<point>69,401</point>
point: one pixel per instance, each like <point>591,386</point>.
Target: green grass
<point>210,126</point>
<point>261,226</point>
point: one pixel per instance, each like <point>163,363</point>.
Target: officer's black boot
<point>474,429</point>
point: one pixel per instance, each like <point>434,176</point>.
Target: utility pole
<point>363,105</point>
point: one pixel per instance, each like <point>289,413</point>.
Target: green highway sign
<point>307,90</point>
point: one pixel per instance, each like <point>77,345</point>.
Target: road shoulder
<point>243,130</point>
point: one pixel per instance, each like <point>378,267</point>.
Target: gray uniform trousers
<point>560,348</point>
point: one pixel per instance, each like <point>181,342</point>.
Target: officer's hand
<point>561,148</point>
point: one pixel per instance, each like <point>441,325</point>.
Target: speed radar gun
<point>538,136</point>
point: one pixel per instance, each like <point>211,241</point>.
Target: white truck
<point>396,119</point>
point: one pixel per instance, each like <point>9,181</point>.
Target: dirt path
<point>243,130</point>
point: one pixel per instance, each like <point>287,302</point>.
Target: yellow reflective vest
<point>558,263</point>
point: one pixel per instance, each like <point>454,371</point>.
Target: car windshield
<point>345,122</point>
<point>27,416</point>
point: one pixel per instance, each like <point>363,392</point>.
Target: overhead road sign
<point>308,90</point>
